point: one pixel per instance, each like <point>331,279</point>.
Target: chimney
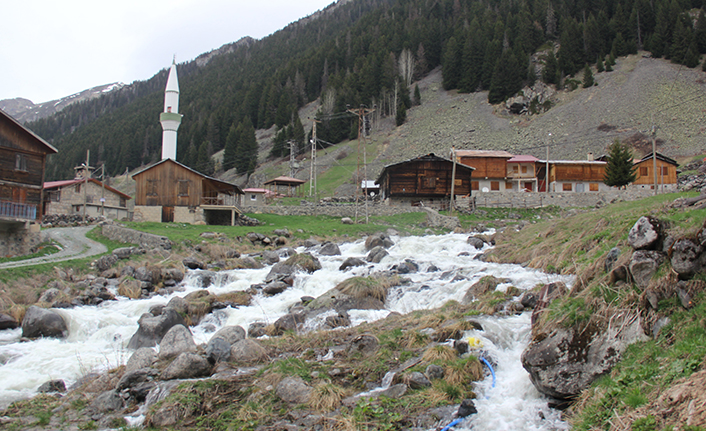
<point>590,157</point>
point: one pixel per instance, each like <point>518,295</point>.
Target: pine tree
<point>417,96</point>
<point>599,65</point>
<point>231,149</point>
<point>550,72</point>
<point>620,170</point>
<point>588,80</point>
<point>246,160</point>
<point>401,114</point>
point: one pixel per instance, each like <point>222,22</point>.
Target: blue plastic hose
<point>490,367</point>
<point>454,423</point>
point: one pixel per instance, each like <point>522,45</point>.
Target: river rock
<point>643,265</point>
<point>289,322</point>
<point>232,334</point>
<point>406,267</point>
<point>274,288</point>
<point>217,350</point>
<point>247,351</point>
<point>280,271</point>
<point>330,249</point>
<point>187,366</point>
<point>340,319</point>
<point>152,328</point>
<point>105,262</point>
<point>257,329</point>
<point>467,408</point>
<point>611,258</point>
<point>376,254</point>
<point>282,232</point>
<point>193,263</point>
<point>40,322</point>
<point>378,239</point>
<point>8,322</point>
<point>417,380</point>
<point>52,386</point>
<point>686,258</point>
<point>108,401</point>
<point>486,284</point>
<point>49,295</point>
<point>286,252</point>
<point>434,371</point>
<point>176,341</point>
<point>350,262</point>
<point>475,242</point>
<point>123,252</point>
<point>347,220</point>
<point>144,357</point>
<point>270,257</point>
<point>566,361</point>
<point>646,234</point>
<point>366,344</point>
<point>135,377</point>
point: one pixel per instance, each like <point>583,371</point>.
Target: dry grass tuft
<point>364,287</point>
<point>439,353</point>
<point>414,339</point>
<point>326,397</point>
<point>464,371</point>
<point>17,312</point>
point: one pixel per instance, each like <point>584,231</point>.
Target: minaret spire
<point>170,117</point>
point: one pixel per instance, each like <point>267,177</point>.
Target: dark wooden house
<point>425,181</point>
<point>22,161</point>
<point>171,192</point>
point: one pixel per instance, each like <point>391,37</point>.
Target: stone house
<point>70,196</point>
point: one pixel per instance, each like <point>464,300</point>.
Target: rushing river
<point>98,335</point>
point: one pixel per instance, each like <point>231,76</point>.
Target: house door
<point>167,214</point>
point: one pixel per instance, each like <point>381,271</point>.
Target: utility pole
<point>654,157</point>
<point>291,158</point>
<point>453,180</point>
<point>546,174</point>
<point>312,173</point>
<point>86,172</point>
<point>103,189</point>
<point>361,113</point>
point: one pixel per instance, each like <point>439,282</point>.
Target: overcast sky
<point>54,48</point>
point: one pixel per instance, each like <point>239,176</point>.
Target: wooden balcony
<point>17,211</point>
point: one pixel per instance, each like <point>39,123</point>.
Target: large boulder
<point>217,350</point>
<point>176,341</point>
<point>232,334</point>
<point>144,357</point>
<point>40,322</point>
<point>330,249</point>
<point>351,262</point>
<point>293,390</point>
<point>8,322</point>
<point>248,351</point>
<point>376,254</point>
<point>187,366</point>
<point>646,234</point>
<point>643,265</point>
<point>567,360</point>
<point>152,328</point>
<point>686,258</point>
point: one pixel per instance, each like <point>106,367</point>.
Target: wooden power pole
<point>361,112</point>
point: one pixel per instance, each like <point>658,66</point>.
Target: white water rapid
<point>98,334</point>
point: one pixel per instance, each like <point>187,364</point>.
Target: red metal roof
<point>482,153</point>
<point>63,183</point>
<point>523,159</point>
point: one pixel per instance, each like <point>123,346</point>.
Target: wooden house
<point>22,163</point>
<point>522,175</point>
<point>666,172</point>
<point>168,191</point>
<point>491,171</point>
<point>70,196</point>
<point>423,181</point>
<point>572,175</point>
<point>283,186</point>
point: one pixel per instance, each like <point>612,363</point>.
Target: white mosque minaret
<point>170,118</point>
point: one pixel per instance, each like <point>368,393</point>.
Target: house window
<point>566,187</point>
<point>475,185</point>
<point>593,187</point>
<point>55,196</point>
<point>183,188</point>
<point>524,169</point>
<point>643,171</point>
<point>495,185</point>
<point>514,169</point>
<point>20,162</point>
<point>77,189</point>
<point>429,182</point>
<point>123,202</point>
<point>508,185</point>
<point>665,171</point>
<point>253,197</point>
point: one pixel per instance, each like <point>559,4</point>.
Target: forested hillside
<point>364,52</point>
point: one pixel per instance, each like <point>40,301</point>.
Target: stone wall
<point>19,239</point>
<point>333,210</point>
<point>560,199</point>
<point>147,213</point>
<point>130,236</point>
<point>188,215</point>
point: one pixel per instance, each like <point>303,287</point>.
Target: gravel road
<point>74,245</point>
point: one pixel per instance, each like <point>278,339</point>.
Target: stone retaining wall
<point>130,236</point>
<point>560,199</point>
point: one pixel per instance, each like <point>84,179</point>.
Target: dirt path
<point>74,245</point>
